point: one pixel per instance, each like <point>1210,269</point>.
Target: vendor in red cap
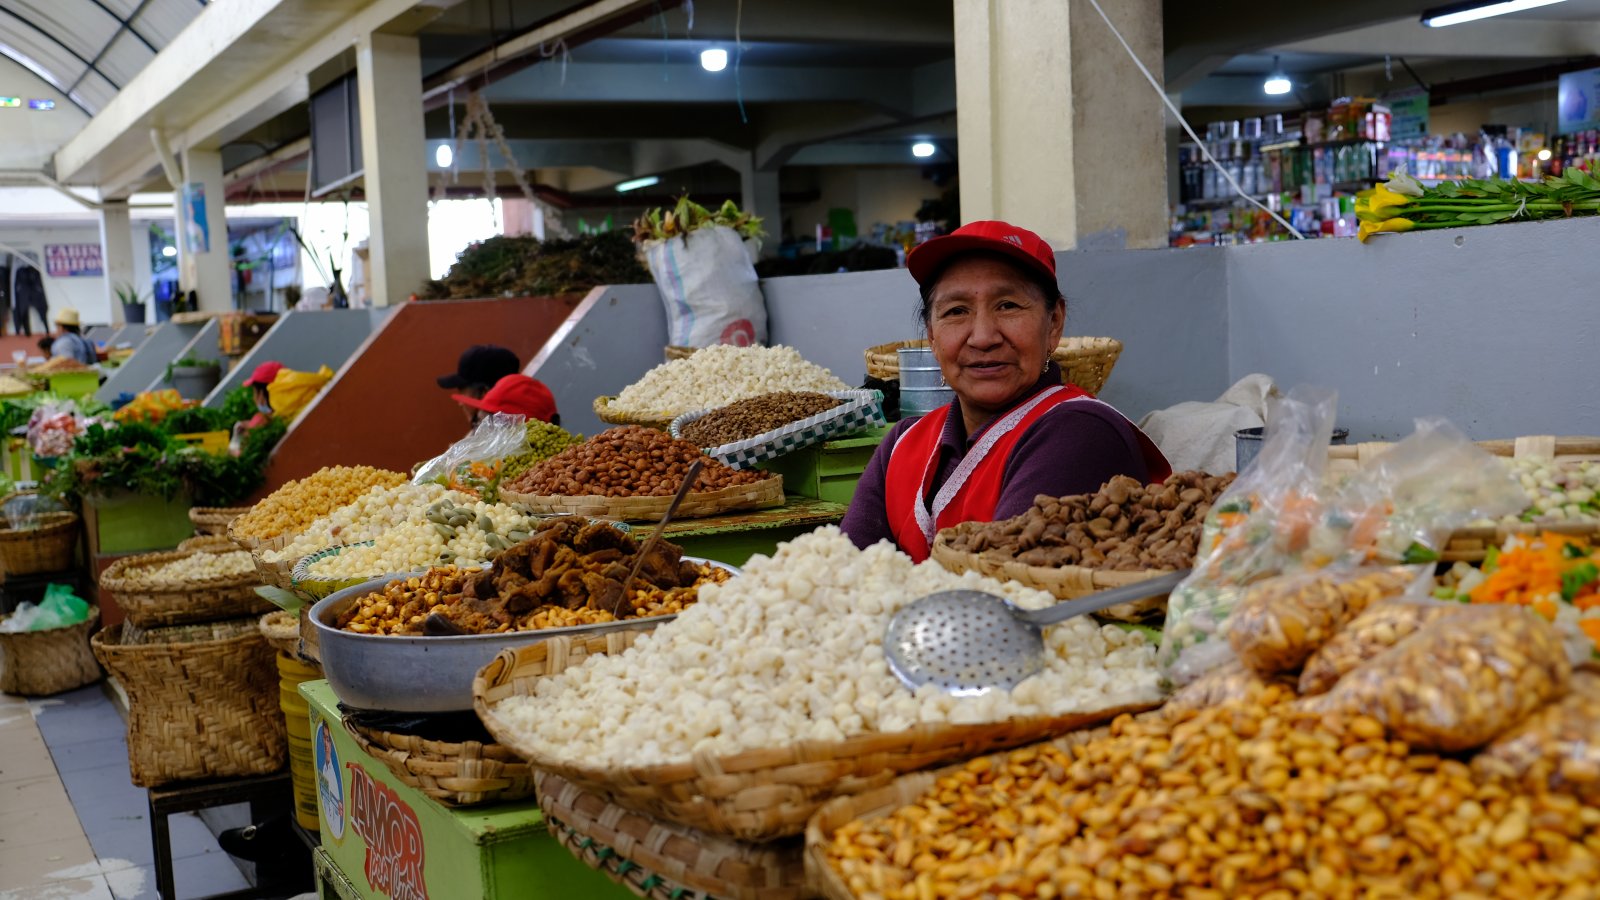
<point>515,394</point>
<point>258,382</point>
<point>993,312</point>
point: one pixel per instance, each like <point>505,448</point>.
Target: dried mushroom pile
<point>1125,526</point>
<point>745,419</point>
<point>630,461</point>
<point>570,572</point>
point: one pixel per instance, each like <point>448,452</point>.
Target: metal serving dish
<point>402,673</point>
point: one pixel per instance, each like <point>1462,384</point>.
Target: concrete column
<point>204,261</point>
<point>395,159</point>
<point>1059,132</point>
<point>116,253</point>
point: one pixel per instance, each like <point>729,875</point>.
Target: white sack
<point>1198,435</point>
<point>708,284</point>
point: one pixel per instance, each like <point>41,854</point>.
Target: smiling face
<point>992,330</point>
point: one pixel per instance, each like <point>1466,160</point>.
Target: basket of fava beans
<point>748,432</point>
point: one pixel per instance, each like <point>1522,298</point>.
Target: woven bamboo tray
<point>673,352</point>
<point>1085,361</point>
<point>47,548</point>
<point>215,543</point>
<point>1061,582</point>
<point>1472,544</point>
<point>281,630</point>
<point>759,795</point>
<point>765,493</point>
<point>206,708</point>
<point>604,412</point>
<point>215,519</point>
<point>468,773</point>
<point>279,573</point>
<point>301,579</point>
<point>180,602</point>
<point>41,663</point>
<point>661,860</point>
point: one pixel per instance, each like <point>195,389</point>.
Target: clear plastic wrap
<point>1459,682</point>
<point>1228,683</point>
<point>1282,621</point>
<point>24,511</point>
<point>497,436</point>
<point>1255,530</point>
<point>1556,748</point>
<point>1382,626</point>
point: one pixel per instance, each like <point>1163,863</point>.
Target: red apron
<point>973,489</point>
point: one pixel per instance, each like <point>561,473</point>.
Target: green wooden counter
<point>381,839</point>
<point>735,538</point>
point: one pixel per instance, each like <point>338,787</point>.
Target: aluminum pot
<point>921,401</point>
<point>399,673</point>
<point>918,369</point>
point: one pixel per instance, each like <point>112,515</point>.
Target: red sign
<point>393,836</point>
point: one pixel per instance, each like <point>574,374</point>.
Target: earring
<point>1045,368</point>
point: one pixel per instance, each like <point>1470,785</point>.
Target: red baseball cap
<point>1028,249</point>
<point>515,394</point>
<point>264,374</point>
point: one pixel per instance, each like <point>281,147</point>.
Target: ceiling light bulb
<point>635,184</point>
<point>1472,12</point>
<point>922,149</point>
<point>714,60</point>
<point>444,156</point>
<point>169,251</point>
<point>1277,83</point>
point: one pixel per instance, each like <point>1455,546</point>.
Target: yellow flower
<point>1382,202</point>
<point>1392,226</point>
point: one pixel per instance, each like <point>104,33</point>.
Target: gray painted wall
<point>149,362</point>
<point>833,319</point>
<point>305,340</point>
<point>204,345</point>
<point>614,336</point>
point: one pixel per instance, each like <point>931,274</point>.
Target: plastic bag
<point>1282,621</point>
<point>291,392</point>
<point>1255,530</point>
<point>497,436</point>
<point>709,287</point>
<point>1556,748</point>
<point>1226,684</point>
<point>1382,626</point>
<point>59,608</point>
<point>1459,682</point>
<point>1402,506</point>
<point>24,512</point>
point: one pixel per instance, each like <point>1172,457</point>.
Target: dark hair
<point>1047,287</point>
<point>71,329</point>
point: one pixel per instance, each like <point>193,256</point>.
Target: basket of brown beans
<point>631,473</point>
<point>1072,546</point>
<point>748,432</point>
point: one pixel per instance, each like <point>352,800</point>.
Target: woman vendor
<point>515,394</point>
<point>993,313</point>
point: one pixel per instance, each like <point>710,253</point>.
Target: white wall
<point>28,137</point>
<point>88,294</point>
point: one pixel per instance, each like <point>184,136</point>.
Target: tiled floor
<point>72,825</point>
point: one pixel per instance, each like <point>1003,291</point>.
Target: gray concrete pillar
<point>395,160</point>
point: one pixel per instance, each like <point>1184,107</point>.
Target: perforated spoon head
<point>965,643</point>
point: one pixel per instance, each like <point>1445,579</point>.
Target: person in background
<point>515,394</point>
<point>71,343</point>
<point>27,298</point>
<point>258,382</point>
<point>480,368</point>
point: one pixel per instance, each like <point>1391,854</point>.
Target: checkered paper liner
<point>859,411</point>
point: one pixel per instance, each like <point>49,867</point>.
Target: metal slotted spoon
<point>969,642</point>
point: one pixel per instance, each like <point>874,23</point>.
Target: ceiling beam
<point>1492,38</point>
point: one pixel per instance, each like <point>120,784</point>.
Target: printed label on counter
<point>393,836</point>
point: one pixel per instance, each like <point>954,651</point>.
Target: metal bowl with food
<point>426,673</point>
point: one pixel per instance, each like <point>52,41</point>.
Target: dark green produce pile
<point>528,267</point>
<point>860,258</point>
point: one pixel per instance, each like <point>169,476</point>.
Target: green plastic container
<point>133,523</point>
<point>828,471</point>
<point>74,384</point>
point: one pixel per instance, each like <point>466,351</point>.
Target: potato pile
<point>629,461</point>
<point>1124,527</point>
<point>298,504</point>
<point>717,376</point>
<point>745,419</point>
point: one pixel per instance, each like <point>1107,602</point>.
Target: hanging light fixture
<point>444,156</point>
<point>922,149</point>
<point>1277,83</point>
<point>637,183</point>
<point>1458,13</point>
<point>714,59</point>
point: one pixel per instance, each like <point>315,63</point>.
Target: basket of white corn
<point>709,378</point>
<point>184,586</point>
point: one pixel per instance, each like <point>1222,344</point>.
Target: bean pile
<point>297,504</point>
<point>629,461</point>
<point>544,441</point>
<point>1255,799</point>
<point>747,418</point>
<point>1126,526</point>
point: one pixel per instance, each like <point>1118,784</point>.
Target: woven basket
<point>604,412</point>
<point>206,708</point>
<point>763,494</point>
<point>214,543</point>
<point>40,663</point>
<point>302,581</point>
<point>1085,361</point>
<point>673,353</point>
<point>279,574</point>
<point>759,795</point>
<point>47,548</point>
<point>215,519</point>
<point>281,630</point>
<point>1472,544</point>
<point>455,774</point>
<point>1062,582</point>
<point>664,861</point>
<point>180,602</point>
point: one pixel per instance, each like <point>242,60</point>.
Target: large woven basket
<point>468,773</point>
<point>765,493</point>
<point>202,708</point>
<point>41,663</point>
<point>281,630</point>
<point>47,548</point>
<point>278,573</point>
<point>215,543</point>
<point>178,603</point>
<point>759,795</point>
<point>1062,582</point>
<point>1085,361</point>
<point>664,861</point>
<point>674,352</point>
<point>215,519</point>
<point>605,413</point>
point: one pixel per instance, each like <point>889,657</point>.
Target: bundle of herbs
<point>527,267</point>
<point>145,459</point>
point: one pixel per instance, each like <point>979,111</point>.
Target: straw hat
<point>67,316</point>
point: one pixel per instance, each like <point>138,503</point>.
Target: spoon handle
<point>1061,612</point>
